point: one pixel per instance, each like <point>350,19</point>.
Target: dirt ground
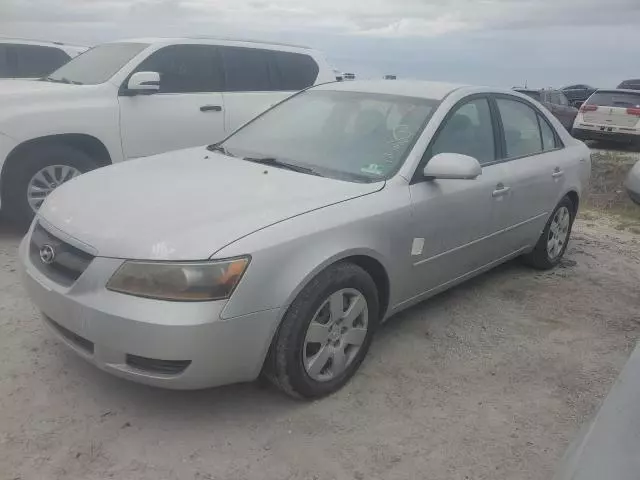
<point>488,381</point>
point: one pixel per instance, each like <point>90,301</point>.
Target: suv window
<point>296,71</point>
<point>247,69</point>
<point>5,70</point>
<point>33,61</point>
<point>562,99</point>
<point>468,131</point>
<point>185,68</point>
<point>521,130</point>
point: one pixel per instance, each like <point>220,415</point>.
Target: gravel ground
<point>488,381</point>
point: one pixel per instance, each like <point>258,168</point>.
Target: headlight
<point>179,281</point>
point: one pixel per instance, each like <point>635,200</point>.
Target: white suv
<point>33,59</point>
<point>136,98</point>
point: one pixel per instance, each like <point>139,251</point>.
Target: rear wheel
<point>325,334</point>
<point>554,239</point>
<point>32,178</point>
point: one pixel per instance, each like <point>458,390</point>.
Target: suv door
<point>186,112</point>
<point>454,220</point>
<point>256,79</point>
<point>534,158</point>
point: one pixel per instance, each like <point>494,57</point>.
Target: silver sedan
<point>281,249</point>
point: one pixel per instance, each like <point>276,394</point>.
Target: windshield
<point>615,99</point>
<point>98,64</point>
<point>348,135</point>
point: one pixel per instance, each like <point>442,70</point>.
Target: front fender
<point>286,256</point>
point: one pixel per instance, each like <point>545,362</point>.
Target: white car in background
<point>136,98</point>
<point>610,115</point>
<point>33,59</point>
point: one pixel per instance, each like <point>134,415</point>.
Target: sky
<point>540,43</point>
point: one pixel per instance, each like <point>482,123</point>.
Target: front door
<point>188,111</point>
<point>453,220</point>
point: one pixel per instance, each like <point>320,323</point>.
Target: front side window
<point>352,136</point>
<point>521,131</point>
<point>98,64</point>
<point>468,131</point>
<point>247,69</point>
<point>185,68</point>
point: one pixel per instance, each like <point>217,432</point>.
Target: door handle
<point>500,190</point>
<point>557,173</point>
<point>211,108</point>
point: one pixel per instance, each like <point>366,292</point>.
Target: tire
<point>292,351</point>
<point>540,257</point>
<point>21,173</point>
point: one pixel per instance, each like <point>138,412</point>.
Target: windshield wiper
<point>274,162</point>
<point>60,80</point>
<point>216,147</point>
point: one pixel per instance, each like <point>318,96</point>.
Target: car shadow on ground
<point>9,230</point>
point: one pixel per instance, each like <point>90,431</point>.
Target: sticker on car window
<point>373,169</point>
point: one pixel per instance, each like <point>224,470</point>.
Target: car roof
<point>26,41</point>
<point>210,40</point>
<point>618,90</point>
<point>407,88</point>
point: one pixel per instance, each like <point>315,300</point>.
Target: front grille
<point>152,365</point>
<point>68,261</point>
<point>76,339</point>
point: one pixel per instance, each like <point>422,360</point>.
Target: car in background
<point>577,94</point>
<point>632,184</point>
<point>610,115</point>
<point>135,98</point>
<point>556,103</point>
<point>282,248</point>
<point>633,84</point>
<point>34,59</point>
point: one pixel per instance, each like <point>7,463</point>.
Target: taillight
<point>634,111</point>
<point>588,108</point>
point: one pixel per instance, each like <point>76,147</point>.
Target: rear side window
<point>247,69</point>
<point>185,68</point>
<point>521,129</point>
<point>615,99</point>
<point>468,131</point>
<point>295,71</point>
<point>33,61</point>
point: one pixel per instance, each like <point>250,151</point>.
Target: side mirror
<point>452,166</point>
<point>144,82</point>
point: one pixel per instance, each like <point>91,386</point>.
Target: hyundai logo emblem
<point>47,254</point>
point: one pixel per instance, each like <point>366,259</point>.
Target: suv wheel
<point>32,178</point>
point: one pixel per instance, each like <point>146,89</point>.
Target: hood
<point>12,89</point>
<point>185,205</point>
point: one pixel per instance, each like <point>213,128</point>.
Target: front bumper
<point>178,345</point>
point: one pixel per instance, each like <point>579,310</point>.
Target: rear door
<point>535,161</point>
<point>256,79</point>
<point>612,110</point>
<point>188,111</point>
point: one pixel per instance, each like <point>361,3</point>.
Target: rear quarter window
<point>295,71</point>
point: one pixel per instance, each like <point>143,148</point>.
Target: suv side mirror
<point>452,166</point>
<point>144,82</point>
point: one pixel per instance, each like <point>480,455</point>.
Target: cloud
<point>501,42</point>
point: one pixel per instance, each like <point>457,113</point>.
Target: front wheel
<point>325,334</point>
<point>554,239</point>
